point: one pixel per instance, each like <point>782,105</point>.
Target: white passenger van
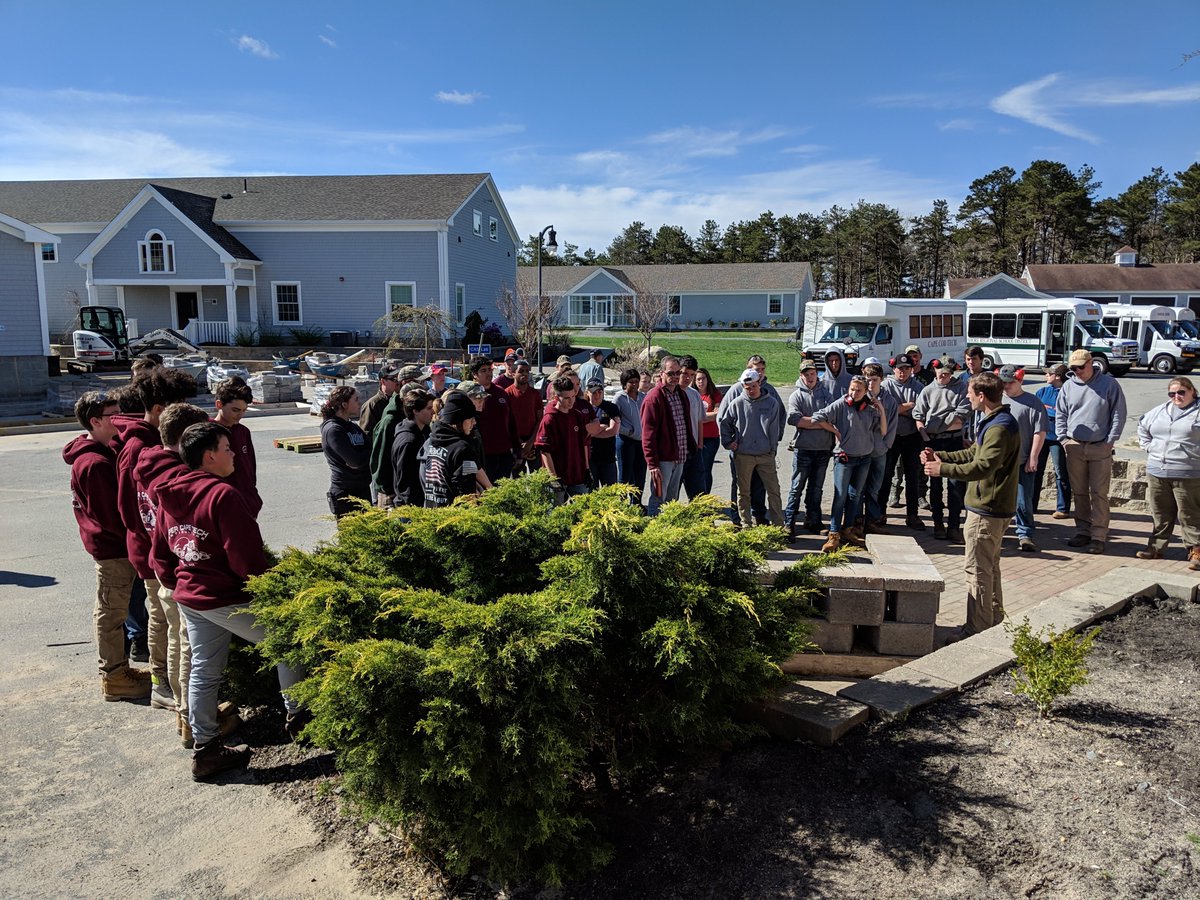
<point>1163,345</point>
<point>1042,332</point>
<point>862,327</point>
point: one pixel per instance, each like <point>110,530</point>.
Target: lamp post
<point>552,246</point>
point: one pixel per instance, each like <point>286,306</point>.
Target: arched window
<point>156,253</point>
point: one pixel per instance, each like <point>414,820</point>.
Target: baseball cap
<point>750,376</point>
<point>872,361</point>
<point>594,384</point>
<point>388,372</point>
<point>471,389</point>
<point>597,352</point>
<point>523,363</point>
<point>1009,374</point>
<point>903,360</point>
<point>511,354</point>
<point>436,369</point>
<point>1079,357</point>
<point>807,364</point>
<point>563,360</point>
<point>948,362</point>
<point>1060,370</point>
<point>408,373</point>
<point>912,348</point>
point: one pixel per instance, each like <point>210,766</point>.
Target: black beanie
<point>457,408</point>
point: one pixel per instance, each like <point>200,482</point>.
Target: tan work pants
<point>179,650</point>
<point>114,584</point>
<point>746,465</point>
<point>985,597</point>
<point>1174,500</point>
<point>157,636</point>
<point>1089,466</point>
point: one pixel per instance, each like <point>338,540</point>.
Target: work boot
<point>120,684</point>
<point>161,696</point>
<point>139,675</point>
<point>939,531</point>
<point>214,758</point>
<point>1096,548</point>
<point>879,526</point>
<point>792,533</point>
<point>915,523</point>
<point>815,528</point>
<point>295,722</point>
<point>851,535</point>
<point>831,543</point>
<point>1060,514</point>
<point>139,649</point>
<point>1080,540</point>
<point>1149,553</point>
<point>1194,559</point>
<point>955,535</point>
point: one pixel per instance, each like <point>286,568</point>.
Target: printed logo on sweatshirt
<point>183,542</point>
<point>146,510</point>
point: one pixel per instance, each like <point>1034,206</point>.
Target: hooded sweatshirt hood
<point>154,465</point>
<point>94,497</point>
<point>134,434</point>
<point>840,383</point>
<point>206,541</point>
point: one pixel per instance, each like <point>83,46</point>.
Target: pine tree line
<point>1047,214</point>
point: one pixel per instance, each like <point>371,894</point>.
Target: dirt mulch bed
<point>973,797</point>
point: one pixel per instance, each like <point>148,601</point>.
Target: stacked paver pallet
<point>275,387</point>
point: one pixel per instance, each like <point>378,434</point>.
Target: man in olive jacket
<point>991,468</point>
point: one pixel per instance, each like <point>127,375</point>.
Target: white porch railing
<point>207,332</point>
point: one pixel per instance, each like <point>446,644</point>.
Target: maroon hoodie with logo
<point>154,466</point>
<point>207,542</point>
<point>245,473</point>
<point>134,434</point>
<point>94,497</point>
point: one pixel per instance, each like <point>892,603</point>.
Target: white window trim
<point>675,305</point>
<point>493,228</point>
<point>53,252</point>
<point>460,310</point>
<point>387,294</point>
<point>144,254</point>
<point>770,299</point>
<point>477,222</point>
<point>275,302</point>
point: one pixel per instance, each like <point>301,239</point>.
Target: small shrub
<point>268,337</point>
<point>733,324</point>
<point>709,323</point>
<point>1049,664</point>
<point>245,336</point>
<point>307,334</point>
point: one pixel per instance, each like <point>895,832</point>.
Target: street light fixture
<point>552,246</point>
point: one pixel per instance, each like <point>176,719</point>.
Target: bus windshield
<point>1189,328</point>
<point>1163,328</point>
<point>849,331</point>
<point>1095,328</point>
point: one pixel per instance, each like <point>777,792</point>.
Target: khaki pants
<point>1089,466</point>
<point>179,651</point>
<point>114,583</point>
<point>156,632</point>
<point>1174,500</point>
<point>764,464</point>
<point>985,597</point>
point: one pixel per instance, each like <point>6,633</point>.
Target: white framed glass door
<point>602,310</point>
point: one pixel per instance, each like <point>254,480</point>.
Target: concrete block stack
<point>1126,491</point>
<point>66,389</point>
<point>275,387</point>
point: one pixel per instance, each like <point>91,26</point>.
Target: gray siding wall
<point>243,274</point>
<point>19,310</point>
<point>997,291</point>
<point>193,257</point>
<point>482,265</point>
<point>366,260</point>
<point>213,305</point>
<point>1159,299</point>
<point>602,283</point>
<point>150,304</point>
<point>724,307</point>
<point>66,285</point>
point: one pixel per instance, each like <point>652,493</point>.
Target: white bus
<point>1186,319</point>
<point>862,327</point>
<point>1042,332</point>
<point>1164,346</point>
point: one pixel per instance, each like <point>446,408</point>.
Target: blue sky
<point>591,115</point>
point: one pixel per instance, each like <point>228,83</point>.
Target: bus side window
<point>883,335</point>
<point>1029,326</point>
<point>1148,339</point>
<point>979,325</point>
<point>1004,325</point>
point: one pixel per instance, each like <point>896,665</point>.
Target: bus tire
<point>1101,362</point>
<point>1119,371</point>
<point>1163,364</point>
<point>988,363</point>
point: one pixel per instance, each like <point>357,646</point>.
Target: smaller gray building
<point>24,343</point>
<point>700,295</point>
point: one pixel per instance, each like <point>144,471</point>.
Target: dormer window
<point>156,253</point>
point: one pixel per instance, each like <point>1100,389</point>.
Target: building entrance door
<point>187,307</point>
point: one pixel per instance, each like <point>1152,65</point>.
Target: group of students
<point>166,496</point>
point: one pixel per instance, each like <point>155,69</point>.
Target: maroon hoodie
<point>154,466</point>
<point>134,435</point>
<point>94,497</point>
<point>208,543</point>
<point>245,473</point>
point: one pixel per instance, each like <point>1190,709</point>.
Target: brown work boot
<point>214,758</point>
<point>120,684</point>
<point>1194,559</point>
<point>140,675</point>
<point>851,535</point>
<point>832,542</point>
<point>1149,553</point>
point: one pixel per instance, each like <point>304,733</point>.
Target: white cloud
<point>459,98</point>
<point>958,125</point>
<point>261,49</point>
<point>1101,97</point>
<point>1030,103</point>
<point>327,41</point>
<point>805,149</point>
<point>709,142</point>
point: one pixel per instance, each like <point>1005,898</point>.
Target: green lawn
<point>723,353</point>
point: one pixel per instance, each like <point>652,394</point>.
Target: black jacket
<point>405,465</point>
<point>348,454</point>
<point>448,465</point>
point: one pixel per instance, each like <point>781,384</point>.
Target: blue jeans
<point>808,482</point>
<point>1027,491</point>
<point>849,478</point>
<point>603,472</point>
<point>758,496</point>
<point>874,489</point>
<point>710,448</point>
<point>693,474</point>
<point>1053,450</point>
<point>672,478</point>
<point>631,464</point>
<point>209,632</point>
<point>569,491</point>
<point>137,618</point>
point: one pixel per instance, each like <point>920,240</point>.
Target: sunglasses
<point>1078,368</point>
<point>1174,394</point>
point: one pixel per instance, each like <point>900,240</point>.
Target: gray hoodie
<point>1090,412</point>
<point>839,385</point>
<point>903,392</point>
<point>1031,418</point>
<point>857,427</point>
<point>756,425</point>
<point>883,442</point>
<point>938,406</point>
<point>1171,438</point>
<point>805,402</point>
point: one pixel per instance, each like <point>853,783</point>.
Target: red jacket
<point>94,497</point>
<point>245,473</point>
<point>658,430</point>
<point>496,425</point>
<point>207,542</point>
<point>134,434</point>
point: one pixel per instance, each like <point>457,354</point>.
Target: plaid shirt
<point>679,420</point>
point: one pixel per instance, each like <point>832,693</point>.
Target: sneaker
<point>120,685</point>
<point>1027,545</point>
<point>915,523</point>
<point>1080,540</point>
<point>139,649</point>
<point>923,503</point>
<point>185,734</point>
<point>161,696</point>
<point>1149,553</point>
<point>894,501</point>
<point>214,758</point>
<point>1060,514</point>
<point>955,536</point>
<point>1096,548</point>
<point>939,532</point>
<point>815,528</point>
<point>832,542</point>
<point>1194,559</point>
<point>295,722</point>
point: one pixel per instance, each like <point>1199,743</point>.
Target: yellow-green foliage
<point>487,671</point>
<point>1049,664</point>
